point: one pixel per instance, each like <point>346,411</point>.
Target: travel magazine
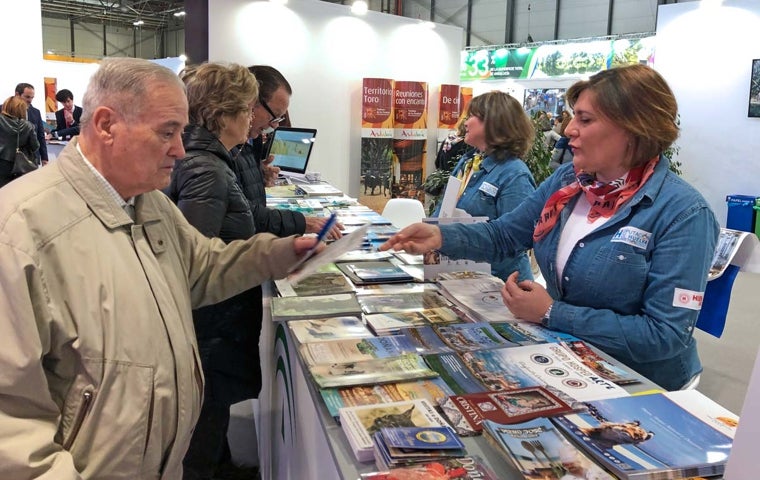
<point>402,446</point>
<point>326,280</point>
<point>333,328</point>
<point>465,468</point>
<point>433,390</point>
<point>455,373</point>
<point>540,452</point>
<point>346,350</point>
<point>467,412</point>
<point>402,302</point>
<point>370,372</point>
<point>650,437</point>
<point>479,297</point>
<point>362,422</point>
<point>392,322</point>
<point>315,306</point>
<point>549,365</point>
<point>465,337</point>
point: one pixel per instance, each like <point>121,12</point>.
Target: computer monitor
<point>291,148</point>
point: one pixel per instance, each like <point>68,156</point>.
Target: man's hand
<point>527,300</point>
<point>315,224</point>
<point>269,171</point>
<point>416,238</point>
<point>302,245</point>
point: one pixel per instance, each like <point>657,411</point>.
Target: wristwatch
<point>547,315</point>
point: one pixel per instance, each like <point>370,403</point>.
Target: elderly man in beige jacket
<point>99,273</point>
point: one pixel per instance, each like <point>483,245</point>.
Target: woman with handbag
<point>18,141</point>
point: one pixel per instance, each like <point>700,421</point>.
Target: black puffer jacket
<point>12,128</point>
<point>248,170</point>
<point>205,188</point>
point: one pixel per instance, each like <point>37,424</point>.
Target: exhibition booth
<point>703,49</point>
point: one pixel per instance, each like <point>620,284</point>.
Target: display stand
<point>735,251</point>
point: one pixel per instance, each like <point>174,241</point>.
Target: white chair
<point>403,211</point>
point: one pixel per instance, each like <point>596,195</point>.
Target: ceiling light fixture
<point>359,7</point>
<point>137,23</point>
<point>181,13</point>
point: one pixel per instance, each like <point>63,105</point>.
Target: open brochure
<point>735,248</point>
<point>435,263</point>
<point>330,254</point>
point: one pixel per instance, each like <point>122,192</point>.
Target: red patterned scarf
<point>605,198</point>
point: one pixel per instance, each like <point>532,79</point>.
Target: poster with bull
<point>377,142</point>
<point>409,139</point>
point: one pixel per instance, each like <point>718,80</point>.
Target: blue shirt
<point>497,188</point>
<point>619,285</point>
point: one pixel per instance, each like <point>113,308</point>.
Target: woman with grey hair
<point>221,99</point>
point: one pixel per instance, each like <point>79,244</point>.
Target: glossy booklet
<point>663,435</point>
<point>467,412</point>
<point>369,372</point>
<point>539,451</point>
<point>361,423</point>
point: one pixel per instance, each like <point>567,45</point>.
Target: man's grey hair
<point>123,84</point>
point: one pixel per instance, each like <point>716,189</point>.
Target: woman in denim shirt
<point>495,180</point>
<point>624,244</point>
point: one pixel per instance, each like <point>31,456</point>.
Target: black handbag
<point>22,164</point>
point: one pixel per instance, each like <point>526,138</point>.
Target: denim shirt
<point>621,282</point>
<point>497,188</point>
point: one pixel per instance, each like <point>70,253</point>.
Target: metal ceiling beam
<point>155,14</point>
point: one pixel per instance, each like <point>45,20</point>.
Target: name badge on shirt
<point>488,189</point>
<point>688,299</point>
<point>633,236</point>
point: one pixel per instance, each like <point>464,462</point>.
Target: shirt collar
<point>109,188</point>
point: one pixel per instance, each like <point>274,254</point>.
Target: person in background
<point>494,179</point>
<point>623,243</point>
<point>100,273</point>
<point>26,92</point>
<point>15,132</point>
<point>253,171</point>
<point>453,146</point>
<point>561,153</point>
<point>204,187</point>
<point>66,119</point>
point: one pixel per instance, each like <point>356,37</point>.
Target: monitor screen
<point>291,148</point>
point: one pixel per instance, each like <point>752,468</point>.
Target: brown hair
<point>637,99</point>
<point>15,107</point>
<point>217,89</point>
<point>508,129</point>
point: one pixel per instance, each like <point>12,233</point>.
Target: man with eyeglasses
<point>251,168</point>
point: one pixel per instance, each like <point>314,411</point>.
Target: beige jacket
<point>99,370</point>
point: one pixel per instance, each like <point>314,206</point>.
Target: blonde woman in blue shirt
<point>494,178</point>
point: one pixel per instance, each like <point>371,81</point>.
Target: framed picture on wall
<point>754,90</point>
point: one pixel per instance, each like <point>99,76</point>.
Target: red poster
<point>409,139</point>
<point>448,106</point>
<point>377,103</point>
<point>377,142</point>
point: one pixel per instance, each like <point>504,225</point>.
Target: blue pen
<point>320,237</point>
<point>326,228</point>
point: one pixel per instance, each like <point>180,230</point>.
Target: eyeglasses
<point>275,118</point>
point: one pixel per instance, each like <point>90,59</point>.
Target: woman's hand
<point>416,239</point>
<point>527,300</point>
<point>315,224</point>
